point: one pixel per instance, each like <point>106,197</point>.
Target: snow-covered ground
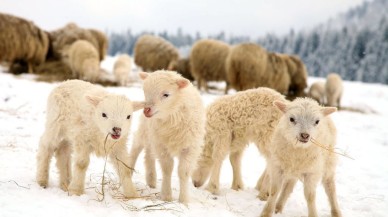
<point>362,184</point>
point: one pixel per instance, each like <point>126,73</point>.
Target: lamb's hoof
<point>151,181</point>
<point>166,197</point>
<point>238,186</point>
<point>75,191</point>
<point>184,200</point>
<point>278,209</point>
<point>131,194</point>
<point>42,183</point>
<point>197,184</point>
<point>212,188</point>
<point>64,186</point>
<point>263,196</point>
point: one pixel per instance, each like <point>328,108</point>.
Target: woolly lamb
<point>207,59</point>
<point>173,126</point>
<point>122,68</point>
<point>293,155</point>
<point>22,40</point>
<point>154,53</point>
<point>182,66</point>
<point>233,121</point>
<point>83,118</point>
<point>83,60</point>
<point>317,92</point>
<point>333,90</point>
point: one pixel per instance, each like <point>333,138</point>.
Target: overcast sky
<point>237,17</point>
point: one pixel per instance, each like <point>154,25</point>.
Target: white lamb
<point>295,154</point>
<point>173,126</point>
<point>83,118</point>
<point>233,121</point>
<point>122,68</point>
<point>333,89</point>
<point>317,92</point>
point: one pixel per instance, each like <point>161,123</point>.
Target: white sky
<point>237,17</point>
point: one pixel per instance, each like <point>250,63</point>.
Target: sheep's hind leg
<point>63,156</point>
<point>45,153</point>
<point>235,160</point>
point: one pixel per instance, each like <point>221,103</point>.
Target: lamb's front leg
<point>185,169</point>
<point>310,183</point>
<point>81,163</point>
<point>122,162</point>
<point>276,180</point>
<point>167,164</point>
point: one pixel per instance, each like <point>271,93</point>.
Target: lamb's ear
<point>137,105</point>
<point>94,99</point>
<point>182,83</point>
<point>328,110</point>
<point>280,105</point>
<point>143,75</point>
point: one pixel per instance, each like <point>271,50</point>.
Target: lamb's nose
<point>304,135</point>
<point>147,110</point>
<point>117,130</point>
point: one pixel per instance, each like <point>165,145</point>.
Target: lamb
<point>207,59</point>
<point>154,53</point>
<point>173,125</point>
<point>182,66</point>
<point>333,89</point>
<point>317,92</point>
<point>295,154</point>
<point>84,118</point>
<point>233,121</point>
<point>22,40</point>
<point>122,68</point>
<point>83,59</point>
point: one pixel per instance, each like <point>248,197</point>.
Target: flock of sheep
<point>296,138</point>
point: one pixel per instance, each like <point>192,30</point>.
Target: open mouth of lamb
<point>115,135</point>
<point>303,140</point>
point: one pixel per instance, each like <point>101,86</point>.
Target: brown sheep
<point>62,38</point>
<point>207,59</point>
<point>245,66</point>
<point>154,53</point>
<point>298,75</point>
<point>21,40</point>
<point>182,66</point>
<point>251,66</point>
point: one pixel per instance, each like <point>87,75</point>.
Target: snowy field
<point>362,184</point>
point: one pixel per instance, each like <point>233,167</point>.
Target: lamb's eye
<point>104,115</point>
<point>317,122</point>
<point>292,120</point>
<point>166,95</point>
<point>129,116</point>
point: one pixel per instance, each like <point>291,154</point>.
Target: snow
<point>362,184</point>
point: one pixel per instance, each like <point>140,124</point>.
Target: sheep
<point>173,125</point>
<point>182,66</point>
<point>62,38</point>
<point>277,72</point>
<point>232,122</point>
<point>84,118</point>
<point>250,66</point>
<point>154,53</point>
<point>122,68</point>
<point>295,154</point>
<point>317,92</point>
<point>82,57</point>
<point>22,40</point>
<point>207,59</point>
<point>333,90</point>
<point>298,74</point>
<point>101,42</point>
